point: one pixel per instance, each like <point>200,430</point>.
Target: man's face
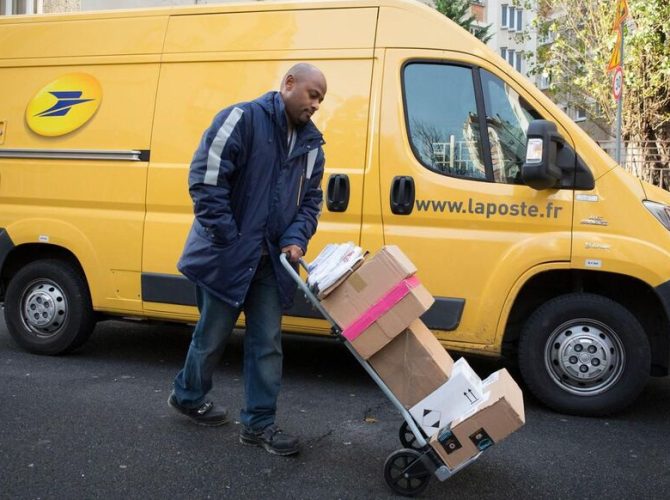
<point>302,96</point>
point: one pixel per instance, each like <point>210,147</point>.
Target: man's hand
<point>294,252</point>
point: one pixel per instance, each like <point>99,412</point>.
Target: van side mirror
<point>540,170</point>
<point>551,162</point>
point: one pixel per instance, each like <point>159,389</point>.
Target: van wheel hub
<point>584,357</point>
<point>44,308</point>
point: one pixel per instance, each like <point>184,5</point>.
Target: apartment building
<point>514,36</point>
<point>15,7</point>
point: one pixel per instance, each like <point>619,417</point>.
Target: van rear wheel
<point>48,307</point>
<point>584,354</point>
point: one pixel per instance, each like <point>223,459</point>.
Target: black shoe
<point>272,439</point>
<point>205,414</point>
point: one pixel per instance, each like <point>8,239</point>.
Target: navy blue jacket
<point>247,189</point>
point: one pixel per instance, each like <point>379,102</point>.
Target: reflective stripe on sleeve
<point>219,142</point>
<point>311,160</point>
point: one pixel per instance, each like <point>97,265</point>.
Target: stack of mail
<point>335,262</point>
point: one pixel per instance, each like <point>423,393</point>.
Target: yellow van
<point>537,246</point>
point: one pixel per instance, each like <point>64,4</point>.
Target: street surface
<point>95,424</point>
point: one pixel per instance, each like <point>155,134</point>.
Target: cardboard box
<point>392,323</point>
<point>462,392</point>
<point>384,294</point>
<point>413,365</point>
<point>500,414</point>
<point>363,288</point>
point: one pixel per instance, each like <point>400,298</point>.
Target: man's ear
<point>289,82</point>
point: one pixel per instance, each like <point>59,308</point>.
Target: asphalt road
<point>95,424</point>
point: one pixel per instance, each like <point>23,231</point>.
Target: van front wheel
<point>584,354</point>
<point>48,307</point>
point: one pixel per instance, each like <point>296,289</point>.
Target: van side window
<point>443,124</point>
<point>507,119</point>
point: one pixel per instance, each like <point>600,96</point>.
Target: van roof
<point>211,8</point>
<point>401,23</point>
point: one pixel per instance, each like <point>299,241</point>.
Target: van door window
<point>507,118</point>
<point>443,122</point>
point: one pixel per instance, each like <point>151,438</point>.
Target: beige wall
<point>61,5</point>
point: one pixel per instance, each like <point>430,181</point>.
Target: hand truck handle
<point>283,258</point>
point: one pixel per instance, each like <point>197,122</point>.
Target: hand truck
<point>407,471</point>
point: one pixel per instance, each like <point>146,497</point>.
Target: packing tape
<point>381,307</point>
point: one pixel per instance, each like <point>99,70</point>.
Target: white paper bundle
<point>335,261</point>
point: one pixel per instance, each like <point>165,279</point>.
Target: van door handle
<point>337,199</point>
<point>402,195</point>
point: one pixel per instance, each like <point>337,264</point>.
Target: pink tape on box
<point>381,307</point>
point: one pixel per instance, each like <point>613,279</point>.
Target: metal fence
<point>648,160</point>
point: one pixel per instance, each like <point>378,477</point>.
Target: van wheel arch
<point>633,294</point>
<point>23,254</point>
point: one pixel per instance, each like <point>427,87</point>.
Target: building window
<point>544,81</point>
<point>512,12</point>
<point>504,16</point>
<point>519,19</point>
<point>517,63</point>
<point>510,57</point>
<point>503,52</point>
<point>580,115</point>
<point>13,7</point>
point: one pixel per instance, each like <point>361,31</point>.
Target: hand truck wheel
<point>407,437</point>
<point>405,473</point>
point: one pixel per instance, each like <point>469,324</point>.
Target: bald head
<point>303,88</point>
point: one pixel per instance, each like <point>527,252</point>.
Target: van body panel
<point>283,30</point>
<point>122,121</point>
<point>92,207</point>
<point>113,288</point>
<point>63,38</point>
<point>80,61</point>
<point>607,238</point>
<point>511,297</point>
<point>203,72</point>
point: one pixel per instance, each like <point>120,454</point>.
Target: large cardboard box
<point>378,301</point>
<point>495,418</point>
<point>413,365</point>
<point>462,392</point>
<point>368,284</point>
<point>390,324</point>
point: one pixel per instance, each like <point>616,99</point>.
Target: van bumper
<point>663,293</point>
<point>6,246</point>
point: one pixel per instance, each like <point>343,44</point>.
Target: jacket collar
<point>273,104</point>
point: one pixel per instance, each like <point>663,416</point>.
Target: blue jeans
<point>262,348</point>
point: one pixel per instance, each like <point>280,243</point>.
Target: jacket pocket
<point>208,234</point>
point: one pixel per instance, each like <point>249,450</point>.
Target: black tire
<point>405,473</point>
<point>48,307</point>
<point>584,354</point>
